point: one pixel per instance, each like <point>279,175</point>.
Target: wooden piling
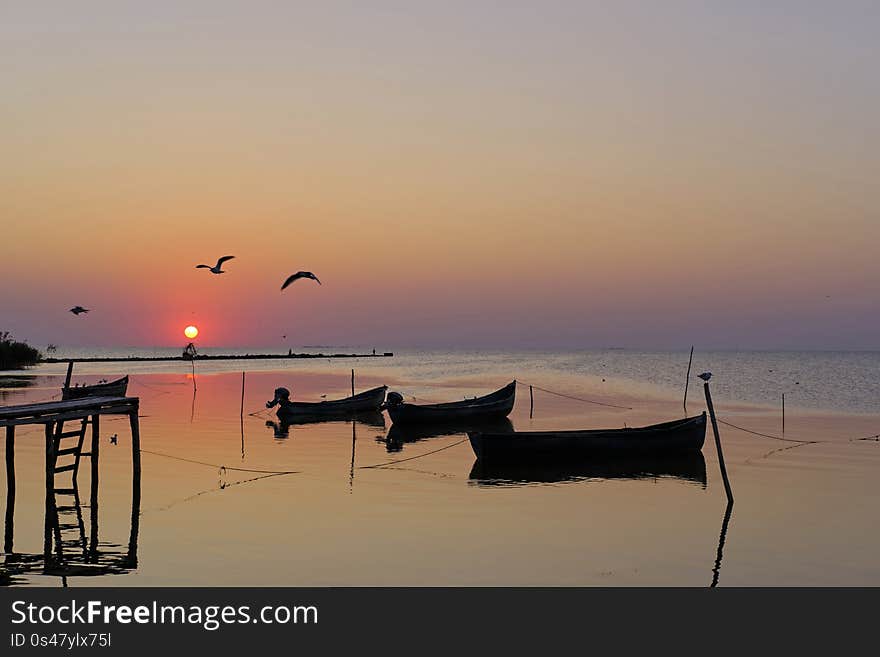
<point>10,489</point>
<point>531,402</point>
<point>783,412</point>
<point>352,383</point>
<point>687,380</point>
<point>95,452</point>
<point>718,442</point>
<point>50,493</point>
<point>69,374</point>
<point>135,483</point>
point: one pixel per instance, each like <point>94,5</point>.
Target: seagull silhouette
<point>297,276</point>
<point>705,376</point>
<point>113,439</point>
<point>216,268</point>
<point>78,310</point>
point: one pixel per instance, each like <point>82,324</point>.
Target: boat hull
<point>369,400</point>
<point>115,388</point>
<point>687,465</point>
<point>499,404</point>
<point>668,437</point>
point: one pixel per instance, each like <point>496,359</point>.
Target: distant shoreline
<point>125,359</point>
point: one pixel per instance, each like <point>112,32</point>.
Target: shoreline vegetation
<point>16,355</point>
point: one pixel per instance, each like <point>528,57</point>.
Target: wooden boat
<point>369,400</point>
<point>115,388</point>
<point>496,405</point>
<point>676,436</point>
<point>688,466</point>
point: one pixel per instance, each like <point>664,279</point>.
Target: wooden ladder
<point>72,513</point>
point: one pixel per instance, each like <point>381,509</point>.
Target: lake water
<point>214,513</point>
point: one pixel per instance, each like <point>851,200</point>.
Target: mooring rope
<point>220,467</point>
<point>875,437</point>
<point>580,399</point>
<point>411,458</point>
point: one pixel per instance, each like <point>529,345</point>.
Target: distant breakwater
<point>126,359</point>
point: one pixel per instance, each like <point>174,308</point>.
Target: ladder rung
<point>68,525</point>
<point>66,450</point>
<point>65,468</point>
<point>65,491</point>
<point>85,453</point>
<point>69,434</point>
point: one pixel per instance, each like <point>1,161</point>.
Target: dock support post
<point>50,493</point>
<point>531,402</point>
<point>783,412</point>
<point>718,443</point>
<point>93,497</point>
<point>352,383</point>
<point>69,374</point>
<point>135,484</point>
<point>10,489</point>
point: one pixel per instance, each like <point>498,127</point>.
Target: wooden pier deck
<point>82,413</point>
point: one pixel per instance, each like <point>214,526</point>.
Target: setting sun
<point>190,331</point>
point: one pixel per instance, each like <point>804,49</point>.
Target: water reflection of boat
<point>686,466</point>
<point>398,434</point>
<point>115,388</point>
<point>281,428</point>
<point>496,404</point>
<point>668,437</point>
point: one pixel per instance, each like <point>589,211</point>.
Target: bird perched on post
<point>78,310</point>
<point>216,268</point>
<point>705,376</point>
<point>114,438</point>
<point>297,276</point>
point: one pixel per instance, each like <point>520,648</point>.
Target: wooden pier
<point>201,357</point>
<point>82,414</point>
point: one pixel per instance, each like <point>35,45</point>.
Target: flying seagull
<point>705,376</point>
<point>216,268</point>
<point>298,275</point>
<point>78,310</point>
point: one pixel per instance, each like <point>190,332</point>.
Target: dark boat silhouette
<point>689,466</point>
<point>363,402</point>
<point>115,388</point>
<point>676,436</point>
<point>495,405</point>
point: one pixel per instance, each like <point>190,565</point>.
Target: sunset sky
<point>487,174</point>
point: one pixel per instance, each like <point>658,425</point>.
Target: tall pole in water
<point>687,380</point>
<point>783,412</point>
<point>352,383</point>
<point>706,376</point>
<point>531,402</point>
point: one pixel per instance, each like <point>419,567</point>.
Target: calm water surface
<point>431,516</point>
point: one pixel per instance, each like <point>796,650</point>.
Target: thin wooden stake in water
<point>193,363</point>
<point>531,402</point>
<point>687,380</point>
<point>718,442</point>
<point>241,412</point>
<point>352,383</point>
<point>783,412</point>
<point>69,374</point>
<point>241,416</point>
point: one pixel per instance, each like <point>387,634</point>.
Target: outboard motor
<point>281,395</point>
<point>392,400</point>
